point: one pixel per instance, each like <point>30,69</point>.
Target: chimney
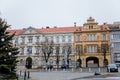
<point>104,23</point>
<point>74,24</point>
<point>47,27</point>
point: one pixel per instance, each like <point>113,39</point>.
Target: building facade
<point>92,44</point>
<point>115,42</point>
<point>30,43</point>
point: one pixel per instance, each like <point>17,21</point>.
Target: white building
<point>29,41</point>
<point>115,42</point>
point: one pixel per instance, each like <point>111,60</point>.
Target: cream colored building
<point>29,41</point>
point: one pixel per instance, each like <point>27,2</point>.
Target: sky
<point>61,13</point>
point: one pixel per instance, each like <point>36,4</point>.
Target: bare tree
<point>57,55</point>
<point>69,51</point>
<point>47,49</point>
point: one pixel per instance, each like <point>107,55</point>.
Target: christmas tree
<point>8,53</point>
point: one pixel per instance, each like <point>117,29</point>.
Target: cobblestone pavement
<point>56,75</point>
<point>76,74</point>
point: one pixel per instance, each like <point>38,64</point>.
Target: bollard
<point>89,69</point>
<point>20,72</point>
<point>49,69</point>
<point>46,69</point>
<point>56,69</point>
<point>25,75</point>
<point>28,74</point>
<point>98,69</point>
<point>72,69</point>
<point>80,69</point>
<point>108,69</point>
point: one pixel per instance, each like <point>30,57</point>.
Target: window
<point>78,38</point>
<point>51,38</point>
<point>63,50</point>
<point>36,62</point>
<point>29,49</point>
<point>22,50</point>
<point>117,45</point>
<point>90,27</point>
<point>116,36</point>
<point>37,38</point>
<point>69,38</point>
<point>30,39</point>
<point>37,50</point>
<point>63,38</point>
<point>78,49</point>
<point>46,39</point>
<point>104,37</point>
<point>16,40</point>
<point>21,62</point>
<point>57,39</point>
<point>23,39</point>
<point>117,57</point>
<point>91,48</point>
<point>30,30</point>
<point>91,37</point>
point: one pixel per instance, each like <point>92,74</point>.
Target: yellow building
<point>92,44</point>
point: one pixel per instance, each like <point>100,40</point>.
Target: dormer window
<point>30,30</point>
<point>90,27</point>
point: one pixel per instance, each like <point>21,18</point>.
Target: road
<point>105,76</point>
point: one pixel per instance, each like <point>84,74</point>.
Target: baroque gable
<point>90,25</point>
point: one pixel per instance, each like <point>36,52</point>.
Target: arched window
<point>21,62</point>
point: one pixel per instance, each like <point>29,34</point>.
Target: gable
<point>30,30</point>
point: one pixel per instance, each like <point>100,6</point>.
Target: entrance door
<point>29,63</point>
<point>92,62</point>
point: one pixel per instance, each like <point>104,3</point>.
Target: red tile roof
<point>55,29</point>
<point>59,29</point>
<point>50,30</point>
<point>14,31</point>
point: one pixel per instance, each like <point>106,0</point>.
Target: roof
<point>55,29</point>
<point>58,29</point>
<point>14,31</point>
<point>49,30</point>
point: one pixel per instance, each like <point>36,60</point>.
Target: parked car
<point>112,68</point>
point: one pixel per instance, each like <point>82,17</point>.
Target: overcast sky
<point>40,13</point>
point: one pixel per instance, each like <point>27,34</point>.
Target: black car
<point>112,68</point>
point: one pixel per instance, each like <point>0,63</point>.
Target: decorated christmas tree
<point>8,53</point>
